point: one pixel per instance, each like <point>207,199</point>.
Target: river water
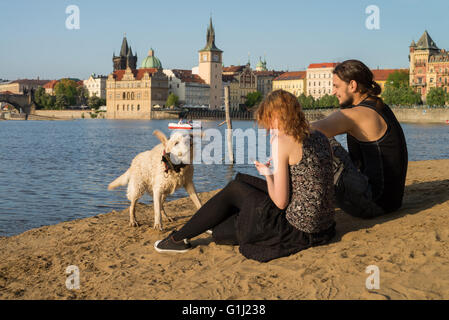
<point>54,171</point>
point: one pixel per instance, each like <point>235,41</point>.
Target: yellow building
<point>132,94</point>
<point>293,82</point>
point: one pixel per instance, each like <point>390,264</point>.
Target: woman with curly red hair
<point>289,211</point>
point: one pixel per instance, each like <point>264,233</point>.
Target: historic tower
<point>210,68</point>
<point>419,56</point>
<point>126,58</point>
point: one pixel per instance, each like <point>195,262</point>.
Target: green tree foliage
<point>327,101</point>
<point>402,95</point>
<point>397,90</point>
<point>398,79</point>
<point>253,98</point>
<point>61,102</point>
<point>437,97</point>
<point>43,99</point>
<point>172,100</point>
<point>69,90</point>
<point>308,102</point>
<point>95,102</point>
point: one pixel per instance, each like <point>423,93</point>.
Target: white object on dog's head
<point>178,146</point>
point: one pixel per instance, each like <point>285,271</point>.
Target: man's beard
<point>347,103</point>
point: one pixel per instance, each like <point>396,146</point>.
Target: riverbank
<point>405,115</point>
<point>115,261</point>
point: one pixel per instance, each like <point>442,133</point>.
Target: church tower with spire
<point>126,58</point>
<point>210,68</point>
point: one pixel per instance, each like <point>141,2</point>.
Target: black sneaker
<point>170,245</point>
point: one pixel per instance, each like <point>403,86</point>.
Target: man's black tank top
<point>384,161</point>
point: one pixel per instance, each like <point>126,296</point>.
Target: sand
<point>115,261</point>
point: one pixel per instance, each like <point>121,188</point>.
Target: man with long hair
<point>370,179</point>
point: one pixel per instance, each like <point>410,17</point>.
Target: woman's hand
<point>264,169</point>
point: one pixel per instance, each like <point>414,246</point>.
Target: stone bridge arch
<point>20,101</point>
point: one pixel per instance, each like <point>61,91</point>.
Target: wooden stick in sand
<point>229,125</point>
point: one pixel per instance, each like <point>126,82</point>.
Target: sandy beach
<point>410,248</point>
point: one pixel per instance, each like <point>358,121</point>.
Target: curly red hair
<point>286,108</point>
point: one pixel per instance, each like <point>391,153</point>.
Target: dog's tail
<point>120,181</point>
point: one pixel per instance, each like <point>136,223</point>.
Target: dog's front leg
<point>190,188</point>
<point>157,197</point>
<point>132,214</point>
<point>163,210</point>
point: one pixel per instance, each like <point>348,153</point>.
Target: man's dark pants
<point>352,189</point>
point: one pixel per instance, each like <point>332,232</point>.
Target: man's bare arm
<point>336,123</point>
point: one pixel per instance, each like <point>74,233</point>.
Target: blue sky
<point>292,34</point>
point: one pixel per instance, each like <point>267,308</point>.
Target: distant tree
<point>172,100</point>
<point>306,102</point>
<point>402,95</point>
<point>398,79</point>
<point>327,101</point>
<point>82,95</point>
<point>39,97</point>
<point>96,102</point>
<point>253,98</point>
<point>69,89</point>
<point>436,97</point>
<point>61,102</point>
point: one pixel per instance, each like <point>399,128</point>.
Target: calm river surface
<point>54,171</point>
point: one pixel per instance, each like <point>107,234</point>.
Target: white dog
<point>160,171</point>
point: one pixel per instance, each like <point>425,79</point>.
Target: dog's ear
<point>161,136</point>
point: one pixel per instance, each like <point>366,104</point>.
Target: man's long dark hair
<point>360,73</point>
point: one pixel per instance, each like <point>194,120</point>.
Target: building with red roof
<point>292,81</point>
<point>134,93</point>
<point>319,79</point>
<point>190,88</point>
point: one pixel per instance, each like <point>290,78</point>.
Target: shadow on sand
<point>418,197</point>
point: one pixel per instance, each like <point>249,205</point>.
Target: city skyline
<point>38,44</point>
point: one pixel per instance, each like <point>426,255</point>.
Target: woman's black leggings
<point>237,197</point>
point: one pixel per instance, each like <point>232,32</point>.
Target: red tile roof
<point>322,65</point>
<point>233,68</point>
<point>138,74</point>
<point>382,74</point>
<point>50,85</point>
<point>31,82</point>
<point>293,75</point>
<point>187,76</point>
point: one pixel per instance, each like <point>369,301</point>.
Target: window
<point>117,107</point>
<point>123,107</point>
<point>138,107</point>
<point>132,107</point>
<point>124,96</point>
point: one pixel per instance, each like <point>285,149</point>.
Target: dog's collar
<point>169,165</point>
